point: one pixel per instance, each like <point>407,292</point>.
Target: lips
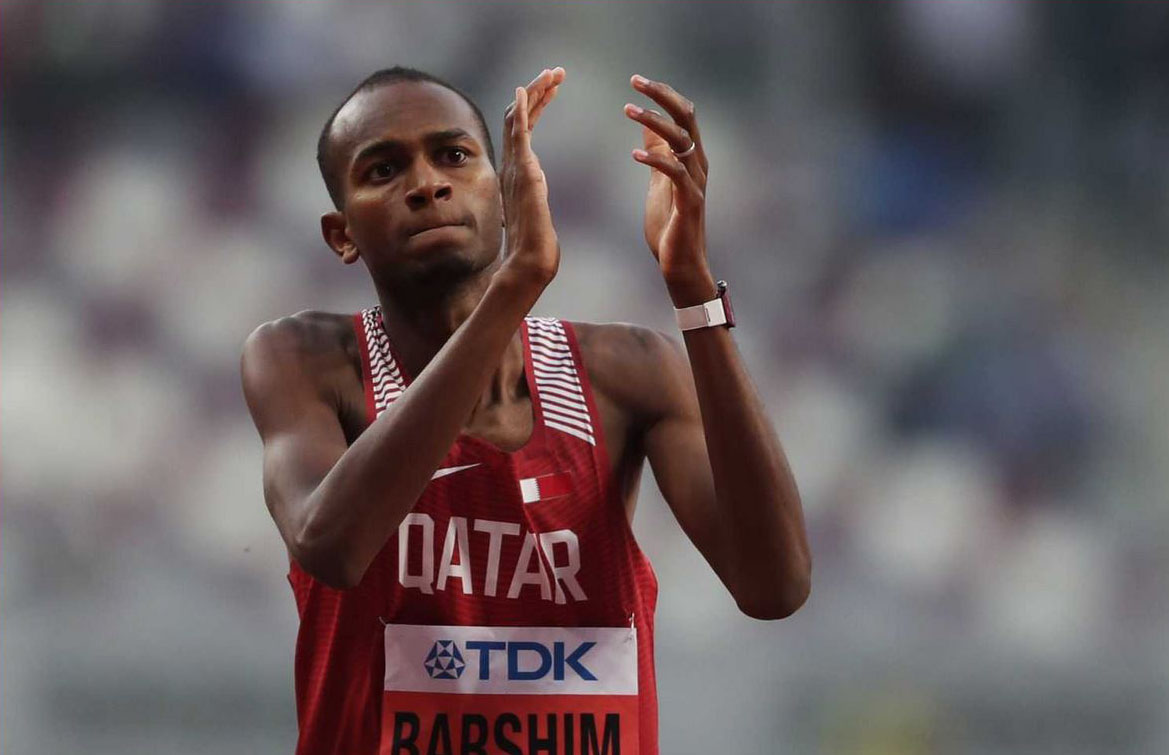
<point>432,226</point>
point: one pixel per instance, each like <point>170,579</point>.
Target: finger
<point>558,75</point>
<point>541,90</point>
<point>538,108</point>
<point>677,136</point>
<point>688,191</point>
<point>519,124</point>
<point>508,127</point>
<point>534,91</point>
<point>681,109</point>
<point>537,94</point>
<point>655,143</point>
<point>549,77</point>
<point>661,135</point>
<point>536,86</point>
<point>536,81</point>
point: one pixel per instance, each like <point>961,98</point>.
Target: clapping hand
<point>533,251</point>
<point>675,205</point>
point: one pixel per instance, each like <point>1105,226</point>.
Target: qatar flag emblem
<point>545,487</point>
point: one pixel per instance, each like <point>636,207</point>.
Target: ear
<point>336,233</point>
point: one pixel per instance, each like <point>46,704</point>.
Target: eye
<point>456,155</point>
<point>383,169</point>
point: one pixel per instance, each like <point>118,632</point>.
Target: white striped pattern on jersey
<point>554,370</point>
<point>557,381</point>
<point>387,378</point>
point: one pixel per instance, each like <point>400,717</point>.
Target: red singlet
<point>512,612</point>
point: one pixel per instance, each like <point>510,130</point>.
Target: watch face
<point>725,296</point>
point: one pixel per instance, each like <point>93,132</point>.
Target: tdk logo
<point>444,661</point>
<point>524,661</point>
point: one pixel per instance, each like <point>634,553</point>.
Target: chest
<point>559,372</point>
<point>508,426</point>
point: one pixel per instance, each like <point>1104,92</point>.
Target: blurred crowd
<point>945,225</point>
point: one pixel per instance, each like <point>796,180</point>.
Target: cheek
<point>488,198</point>
<point>368,212</point>
<point>493,209</point>
<point>491,219</point>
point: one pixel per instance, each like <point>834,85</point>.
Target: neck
<point>420,319</point>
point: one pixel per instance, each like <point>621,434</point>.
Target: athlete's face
<point>421,197</point>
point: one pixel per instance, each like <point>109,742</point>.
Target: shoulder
<point>307,346</point>
<point>306,332</point>
<point>625,344</point>
<point>640,368</point>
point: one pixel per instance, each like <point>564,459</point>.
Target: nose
<point>428,186</point>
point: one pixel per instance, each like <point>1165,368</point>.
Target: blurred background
<point>946,227</point>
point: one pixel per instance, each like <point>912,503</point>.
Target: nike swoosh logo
<point>444,471</point>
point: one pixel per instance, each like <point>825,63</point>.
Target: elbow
<point>336,578</point>
<point>777,601</point>
<point>323,562</point>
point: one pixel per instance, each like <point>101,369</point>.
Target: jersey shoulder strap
<point>561,385</point>
<point>564,397</point>
<point>382,377</point>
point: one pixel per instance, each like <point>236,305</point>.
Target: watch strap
<point>709,314</point>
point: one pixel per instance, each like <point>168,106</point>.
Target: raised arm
<point>715,454</point>
<point>335,506</point>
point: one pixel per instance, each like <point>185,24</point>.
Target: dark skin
<point>425,211</point>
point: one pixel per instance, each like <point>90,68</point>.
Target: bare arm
<point>720,466</point>
<point>336,506</point>
<point>714,453</point>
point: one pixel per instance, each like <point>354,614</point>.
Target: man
<point>461,556</point>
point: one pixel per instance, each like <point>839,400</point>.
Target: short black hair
<point>376,79</point>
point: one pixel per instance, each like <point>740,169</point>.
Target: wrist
<point>687,291</point>
<point>711,313</point>
<point>518,285</point>
<point>531,265</point>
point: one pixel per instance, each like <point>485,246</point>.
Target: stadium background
<point>945,225</point>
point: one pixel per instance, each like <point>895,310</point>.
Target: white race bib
<point>514,690</point>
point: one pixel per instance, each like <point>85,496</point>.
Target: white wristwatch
<point>717,311</point>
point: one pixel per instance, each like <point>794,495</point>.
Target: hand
<point>675,205</point>
<point>533,251</point>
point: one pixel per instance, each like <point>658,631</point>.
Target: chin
<point>438,262</point>
<point>440,268</point>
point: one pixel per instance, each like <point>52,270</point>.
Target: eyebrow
<point>389,145</point>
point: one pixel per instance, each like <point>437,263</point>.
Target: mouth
<point>429,229</point>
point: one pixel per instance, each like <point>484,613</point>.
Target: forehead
<point>404,111</point>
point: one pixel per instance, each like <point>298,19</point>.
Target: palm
<point>676,200</point>
<point>661,207</point>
